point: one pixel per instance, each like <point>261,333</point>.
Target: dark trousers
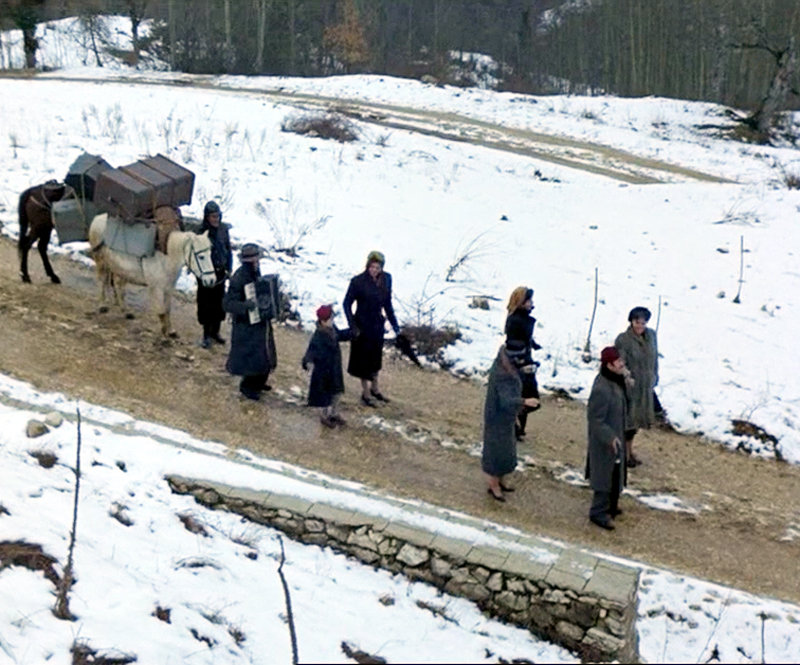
<point>210,313</point>
<point>253,384</point>
<point>604,504</point>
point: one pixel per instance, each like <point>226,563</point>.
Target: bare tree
<point>780,87</point>
<point>24,14</point>
<point>137,10</point>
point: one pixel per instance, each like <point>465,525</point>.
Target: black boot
<point>215,333</point>
<point>206,343</point>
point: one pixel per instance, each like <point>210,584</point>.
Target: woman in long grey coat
<point>503,403</point>
<point>605,415</point>
<point>638,347</point>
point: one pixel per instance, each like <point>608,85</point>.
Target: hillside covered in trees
<point>731,51</point>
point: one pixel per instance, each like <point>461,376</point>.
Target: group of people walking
<point>251,306</point>
<point>621,402</point>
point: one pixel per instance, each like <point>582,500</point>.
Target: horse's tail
<point>23,218</point>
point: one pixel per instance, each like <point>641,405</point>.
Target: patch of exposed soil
<point>54,338</point>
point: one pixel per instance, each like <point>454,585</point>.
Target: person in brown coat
<point>638,347</point>
<point>605,456</point>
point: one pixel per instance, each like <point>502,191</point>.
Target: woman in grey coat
<point>503,403</point>
<point>605,415</point>
<point>638,347</point>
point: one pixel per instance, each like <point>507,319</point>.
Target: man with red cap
<point>605,459</point>
<point>327,380</point>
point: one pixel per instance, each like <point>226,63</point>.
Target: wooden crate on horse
<point>133,192</point>
<point>72,215</point>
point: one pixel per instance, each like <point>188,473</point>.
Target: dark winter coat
<point>640,353</point>
<point>503,403</point>
<point>251,351</point>
<point>372,298</point>
<point>605,414</point>
<point>324,353</point>
<point>209,299</point>
<point>519,330</point>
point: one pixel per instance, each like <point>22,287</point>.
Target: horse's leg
<point>118,288</point>
<point>161,302</point>
<point>44,240</point>
<point>24,247</point>
<point>103,281</point>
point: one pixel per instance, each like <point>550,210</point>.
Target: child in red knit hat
<point>327,380</point>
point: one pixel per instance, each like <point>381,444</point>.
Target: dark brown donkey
<point>36,224</point>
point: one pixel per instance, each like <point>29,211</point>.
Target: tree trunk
<point>779,89</point>
<point>171,19</point>
<point>30,44</point>
<point>227,8</point>
<point>135,20</point>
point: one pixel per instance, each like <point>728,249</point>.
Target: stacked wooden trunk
<point>130,195</point>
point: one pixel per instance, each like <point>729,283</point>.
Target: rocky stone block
<point>495,582</point>
<point>340,533</point>
<point>412,556</point>
<point>569,633</point>
<point>315,526</point>
<point>54,419</point>
<point>608,644</point>
<point>441,567</point>
<point>511,601</point>
<point>36,428</point>
<point>361,538</point>
<point>365,555</point>
<point>481,574</point>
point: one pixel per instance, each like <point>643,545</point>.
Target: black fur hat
<point>639,313</point>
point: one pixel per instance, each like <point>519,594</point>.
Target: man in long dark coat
<point>251,355</point>
<point>605,460</point>
<point>210,313</point>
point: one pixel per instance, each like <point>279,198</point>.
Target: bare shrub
<point>324,126</point>
<point>286,223</point>
<point>467,253</point>
<point>45,458</point>
<point>30,556</point>
<point>791,180</point>
<point>430,341</point>
<point>83,654</point>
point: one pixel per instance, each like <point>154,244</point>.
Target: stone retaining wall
<point>571,598</point>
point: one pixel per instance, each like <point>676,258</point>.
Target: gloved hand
<point>535,346</point>
<point>251,304</point>
<point>305,366</point>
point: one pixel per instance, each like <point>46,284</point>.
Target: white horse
<point>158,272</point>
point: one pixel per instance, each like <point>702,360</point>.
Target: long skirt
<point>366,356</point>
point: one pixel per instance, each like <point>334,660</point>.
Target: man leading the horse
<point>210,312</point>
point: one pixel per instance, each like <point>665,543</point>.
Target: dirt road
<point>420,446</point>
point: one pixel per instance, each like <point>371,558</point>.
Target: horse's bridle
<point>195,255</point>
